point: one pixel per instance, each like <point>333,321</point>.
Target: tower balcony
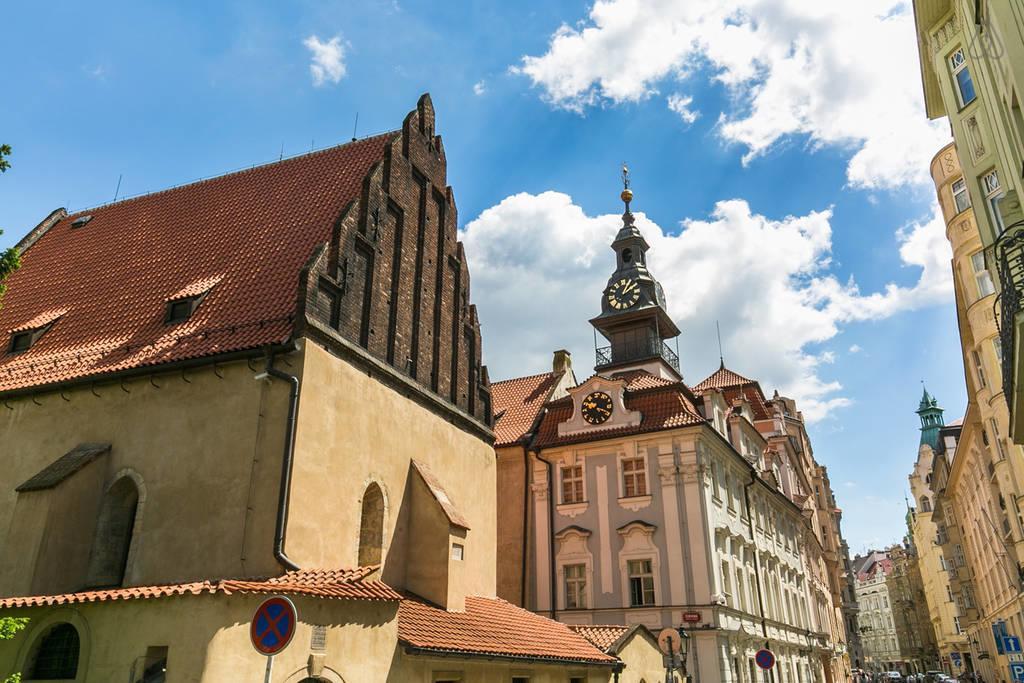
<point>633,351</point>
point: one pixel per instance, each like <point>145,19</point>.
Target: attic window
<point>23,341</point>
<point>23,337</point>
<point>81,220</point>
<point>180,310</point>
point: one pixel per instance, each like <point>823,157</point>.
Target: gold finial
<point>627,194</point>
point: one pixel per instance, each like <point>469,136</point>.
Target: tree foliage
<point>10,260</point>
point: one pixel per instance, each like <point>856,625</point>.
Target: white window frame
<point>574,549</point>
<point>961,196</point>
<point>638,544</point>
<point>582,479</point>
<point>993,188</point>
<point>982,278</point>
<point>643,588</point>
<point>642,471</point>
<point>979,367</point>
<point>957,61</point>
<point>997,437</point>
<point>580,585</point>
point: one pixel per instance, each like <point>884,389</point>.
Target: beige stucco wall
<point>353,430</point>
<point>511,477</point>
<point>206,445</point>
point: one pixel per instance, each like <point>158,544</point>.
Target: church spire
<point>931,418</point>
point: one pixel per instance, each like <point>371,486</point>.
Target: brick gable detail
<point>394,279</point>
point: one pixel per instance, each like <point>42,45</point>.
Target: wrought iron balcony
<point>635,351</point>
<point>1009,254</point>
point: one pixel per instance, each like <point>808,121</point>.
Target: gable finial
<point>627,194</point>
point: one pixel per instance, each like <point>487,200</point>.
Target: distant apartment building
<point>877,625</point>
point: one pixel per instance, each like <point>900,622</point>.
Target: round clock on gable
<point>596,407</point>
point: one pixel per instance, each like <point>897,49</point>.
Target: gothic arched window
<point>371,526</point>
<point>56,658</point>
<point>113,538</point>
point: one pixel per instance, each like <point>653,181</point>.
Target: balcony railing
<point>639,350</point>
<point>1009,254</point>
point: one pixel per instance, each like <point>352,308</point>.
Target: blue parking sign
<point>1017,672</point>
<point>1011,644</point>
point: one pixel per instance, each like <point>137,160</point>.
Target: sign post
<point>271,629</point>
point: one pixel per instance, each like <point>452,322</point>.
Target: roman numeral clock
<point>624,293</point>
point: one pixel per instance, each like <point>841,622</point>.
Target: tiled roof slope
<point>517,402</point>
<point>249,233</point>
<point>64,466</point>
<point>734,386</point>
<point>493,627</point>
<point>603,637</point>
<point>722,378</point>
<point>666,406</point>
<point>350,584</point>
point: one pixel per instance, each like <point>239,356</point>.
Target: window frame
<point>983,284</point>
<point>955,69</point>
<point>992,185</point>
<point>979,368</point>
<point>580,585</point>
<point>963,192</point>
<point>644,578</point>
<point>636,473</point>
<point>574,467</point>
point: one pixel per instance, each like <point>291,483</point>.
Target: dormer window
<point>180,310</point>
<point>183,303</point>
<point>25,336</point>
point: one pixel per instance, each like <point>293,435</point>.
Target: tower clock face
<point>596,407</point>
<point>624,293</point>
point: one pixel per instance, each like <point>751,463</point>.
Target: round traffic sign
<point>669,641</point>
<point>765,659</point>
<point>273,625</point>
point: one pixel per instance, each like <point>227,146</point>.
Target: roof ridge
<point>229,173</point>
<point>519,379</point>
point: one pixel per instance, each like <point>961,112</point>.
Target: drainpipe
<point>287,460</point>
<point>757,555</point>
<point>526,526</point>
<point>551,535</point>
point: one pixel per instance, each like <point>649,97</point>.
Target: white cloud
<point>542,262</point>
<point>842,74</point>
<point>328,60</point>
<point>680,104</point>
<point>855,348</point>
<point>480,87</point>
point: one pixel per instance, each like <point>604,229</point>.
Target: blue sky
<point>780,172</point>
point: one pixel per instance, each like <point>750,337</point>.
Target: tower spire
<point>931,418</point>
<point>627,194</point>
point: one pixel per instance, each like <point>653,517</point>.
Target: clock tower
<point>633,318</point>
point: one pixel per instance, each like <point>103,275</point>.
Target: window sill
<point>572,509</point>
<point>635,503</point>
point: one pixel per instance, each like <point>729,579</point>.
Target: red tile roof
<point>492,627</point>
<point>735,386</point>
<point>516,404</point>
<point>641,379</point>
<point>663,407</point>
<point>603,637</point>
<point>246,235</point>
<point>350,584</point>
<point>722,378</point>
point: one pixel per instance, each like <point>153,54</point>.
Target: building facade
<point>266,383</point>
<point>977,471</point>
<point>929,529</point>
<point>639,499</point>
<point>877,623</point>
<point>972,65</point>
<point>918,647</point>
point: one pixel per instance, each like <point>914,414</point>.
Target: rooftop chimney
<point>562,361</point>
